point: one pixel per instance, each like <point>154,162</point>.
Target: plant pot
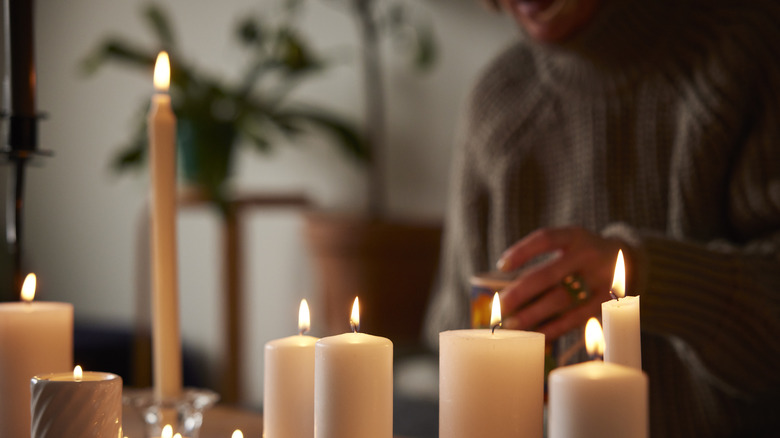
<point>390,265</point>
<point>205,149</point>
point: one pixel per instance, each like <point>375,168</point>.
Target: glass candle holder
<point>184,414</point>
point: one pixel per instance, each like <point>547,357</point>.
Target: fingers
<point>570,320</point>
<point>552,303</point>
<point>542,278</point>
<point>537,295</point>
<point>538,242</point>
<point>563,319</point>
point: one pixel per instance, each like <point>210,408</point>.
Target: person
<point>651,127</point>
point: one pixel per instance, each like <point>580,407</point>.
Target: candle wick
<point>614,297</point>
<point>301,332</point>
<point>354,326</point>
<point>495,326</point>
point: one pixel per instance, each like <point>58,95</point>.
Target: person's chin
<point>539,21</point>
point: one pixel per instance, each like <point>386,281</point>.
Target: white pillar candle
<point>166,336</point>
<point>76,405</point>
<point>35,338</point>
<point>598,400</point>
<point>288,393</point>
<point>353,385</point>
<point>621,322</point>
<point>491,383</point>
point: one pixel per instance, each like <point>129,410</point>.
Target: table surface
<point>218,422</point>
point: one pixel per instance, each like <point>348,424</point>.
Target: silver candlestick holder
<point>184,413</point>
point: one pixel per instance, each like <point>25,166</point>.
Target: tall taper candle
<point>166,337</point>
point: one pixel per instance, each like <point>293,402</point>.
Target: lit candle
<point>596,399</point>
<point>621,322</point>
<point>238,434</point>
<point>353,384</point>
<point>35,338</point>
<point>166,337</point>
<point>491,382</point>
<point>76,405</point>
<point>288,394</point>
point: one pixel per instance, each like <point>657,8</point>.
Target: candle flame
<point>167,431</point>
<point>495,313</point>
<point>594,338</point>
<point>162,72</point>
<point>78,374</point>
<point>619,280</point>
<point>304,318</point>
<point>237,434</point>
<point>28,287</point>
<point>178,435</point>
<point>354,319</point>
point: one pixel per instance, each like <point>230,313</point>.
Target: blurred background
<point>85,231</point>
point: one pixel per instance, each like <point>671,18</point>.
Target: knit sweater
<point>658,124</point>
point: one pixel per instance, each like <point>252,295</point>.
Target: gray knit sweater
<point>659,124</point>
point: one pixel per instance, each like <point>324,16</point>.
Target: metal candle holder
<point>22,141</point>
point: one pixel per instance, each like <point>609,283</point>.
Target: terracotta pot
<point>391,266</point>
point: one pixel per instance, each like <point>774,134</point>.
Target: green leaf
<point>258,141</point>
<point>250,32</point>
<point>157,19</point>
<point>427,52</point>
<point>346,136</point>
<point>115,49</point>
<point>133,156</point>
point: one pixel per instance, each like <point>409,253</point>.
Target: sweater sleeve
<point>722,298</point>
<point>463,244</point>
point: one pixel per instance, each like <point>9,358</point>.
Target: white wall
<point>82,220</point>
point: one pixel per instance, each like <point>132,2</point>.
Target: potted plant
<point>390,263</point>
<point>215,116</point>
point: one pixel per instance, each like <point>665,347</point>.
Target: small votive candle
<point>76,405</point>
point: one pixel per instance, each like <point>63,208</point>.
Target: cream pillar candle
<point>598,400</point>
<point>491,382</point>
<point>621,322</point>
<point>288,393</point>
<point>35,338</point>
<point>76,405</point>
<point>353,385</point>
<point>166,336</point>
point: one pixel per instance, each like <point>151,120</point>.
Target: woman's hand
<point>538,299</point>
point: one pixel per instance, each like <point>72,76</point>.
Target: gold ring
<point>576,288</point>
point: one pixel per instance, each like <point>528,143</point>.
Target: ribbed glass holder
<point>184,414</point>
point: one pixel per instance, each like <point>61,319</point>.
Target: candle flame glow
<point>304,318</point>
<point>162,72</point>
<point>78,374</point>
<point>594,338</point>
<point>28,287</point>
<point>495,313</point>
<point>167,431</point>
<point>237,434</point>
<point>354,319</point>
<point>619,280</point>
<point>178,435</point>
